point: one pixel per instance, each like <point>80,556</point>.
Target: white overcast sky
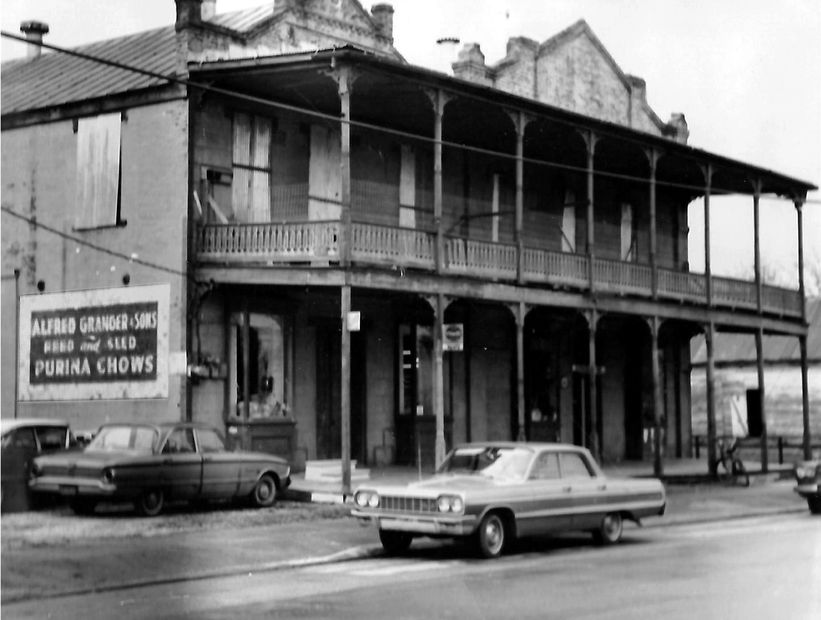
<point>746,74</point>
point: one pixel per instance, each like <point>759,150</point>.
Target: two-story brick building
<point>370,259</point>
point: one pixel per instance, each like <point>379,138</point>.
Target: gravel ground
<point>60,526</point>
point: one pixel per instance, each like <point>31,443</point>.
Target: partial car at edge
<point>151,465</point>
<point>495,492</point>
<point>808,484</point>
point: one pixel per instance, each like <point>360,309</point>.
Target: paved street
<point>762,567</point>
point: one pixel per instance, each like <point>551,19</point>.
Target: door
<point>328,396</point>
<point>543,392</point>
<point>221,470</point>
<point>415,419</point>
<point>181,465</point>
<point>548,508</point>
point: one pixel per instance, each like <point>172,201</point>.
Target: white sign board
<point>453,337</point>
<point>96,344</point>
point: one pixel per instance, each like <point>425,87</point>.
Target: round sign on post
<point>453,337</point>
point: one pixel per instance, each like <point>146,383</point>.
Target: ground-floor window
<point>259,365</point>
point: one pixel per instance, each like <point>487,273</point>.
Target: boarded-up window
<point>251,183</point>
<point>324,174</point>
<point>98,171</point>
<point>569,222</point>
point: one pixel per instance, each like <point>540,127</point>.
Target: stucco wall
<point>575,76</point>
<point>39,177</point>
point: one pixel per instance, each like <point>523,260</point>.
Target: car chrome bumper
<point>808,489</point>
<point>423,525</point>
<point>68,486</point>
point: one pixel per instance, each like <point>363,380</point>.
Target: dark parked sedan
<point>22,440</point>
<point>152,464</point>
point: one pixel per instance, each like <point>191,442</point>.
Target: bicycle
<point>729,466</point>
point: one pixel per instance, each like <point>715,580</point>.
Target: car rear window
<point>51,437</point>
<point>137,438</point>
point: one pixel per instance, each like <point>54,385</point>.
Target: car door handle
<point>567,489</point>
<point>602,487</point>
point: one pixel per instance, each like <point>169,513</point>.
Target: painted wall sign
<point>98,344</point>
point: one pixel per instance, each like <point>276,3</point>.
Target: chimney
<point>209,9</point>
<point>678,126</point>
<point>383,16</point>
<point>470,65</point>
<point>188,12</point>
<point>34,32</point>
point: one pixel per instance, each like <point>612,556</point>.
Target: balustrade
<point>379,244</point>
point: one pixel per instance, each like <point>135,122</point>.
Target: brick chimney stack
<point>188,12</point>
<point>209,9</point>
<point>34,32</point>
<point>383,16</point>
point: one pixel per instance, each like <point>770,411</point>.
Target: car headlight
<point>108,474</point>
<point>366,499</point>
<point>35,470</point>
<point>809,470</point>
<point>450,503</point>
<point>373,500</point>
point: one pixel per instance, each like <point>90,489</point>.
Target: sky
<point>745,73</point>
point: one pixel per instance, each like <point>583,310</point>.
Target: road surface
<point>767,567</point>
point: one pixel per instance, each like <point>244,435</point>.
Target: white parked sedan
<point>495,492</point>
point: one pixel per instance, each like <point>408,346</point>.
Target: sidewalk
<point>259,544</point>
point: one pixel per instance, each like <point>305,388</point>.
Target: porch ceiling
<point>398,96</point>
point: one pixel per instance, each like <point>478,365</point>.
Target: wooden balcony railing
<point>276,243</point>
<point>388,245</point>
<point>318,244</point>
<point>491,260</point>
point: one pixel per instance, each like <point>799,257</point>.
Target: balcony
<point>317,244</point>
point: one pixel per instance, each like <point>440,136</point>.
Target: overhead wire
<point>354,123</point>
<point>230,93</point>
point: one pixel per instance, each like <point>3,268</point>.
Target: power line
<point>99,248</point>
<point>365,125</point>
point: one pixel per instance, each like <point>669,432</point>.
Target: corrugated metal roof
<point>740,348</point>
<point>56,78</point>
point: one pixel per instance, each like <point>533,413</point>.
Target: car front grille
<point>407,504</point>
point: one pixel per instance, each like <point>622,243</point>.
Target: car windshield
<point>509,463</point>
<point>132,438</point>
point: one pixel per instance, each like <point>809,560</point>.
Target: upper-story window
<point>569,222</point>
<point>628,233</point>
<point>251,182</point>
<point>97,198</point>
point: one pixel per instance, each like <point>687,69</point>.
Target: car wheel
<point>609,532</point>
<point>395,542</point>
<point>815,504</point>
<point>150,503</point>
<point>82,506</point>
<point>490,536</point>
<point>265,492</point>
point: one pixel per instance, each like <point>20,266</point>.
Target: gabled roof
<point>54,79</point>
<point>739,349</point>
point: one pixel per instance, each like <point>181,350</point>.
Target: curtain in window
<point>98,171</point>
<point>627,233</point>
<point>569,223</point>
